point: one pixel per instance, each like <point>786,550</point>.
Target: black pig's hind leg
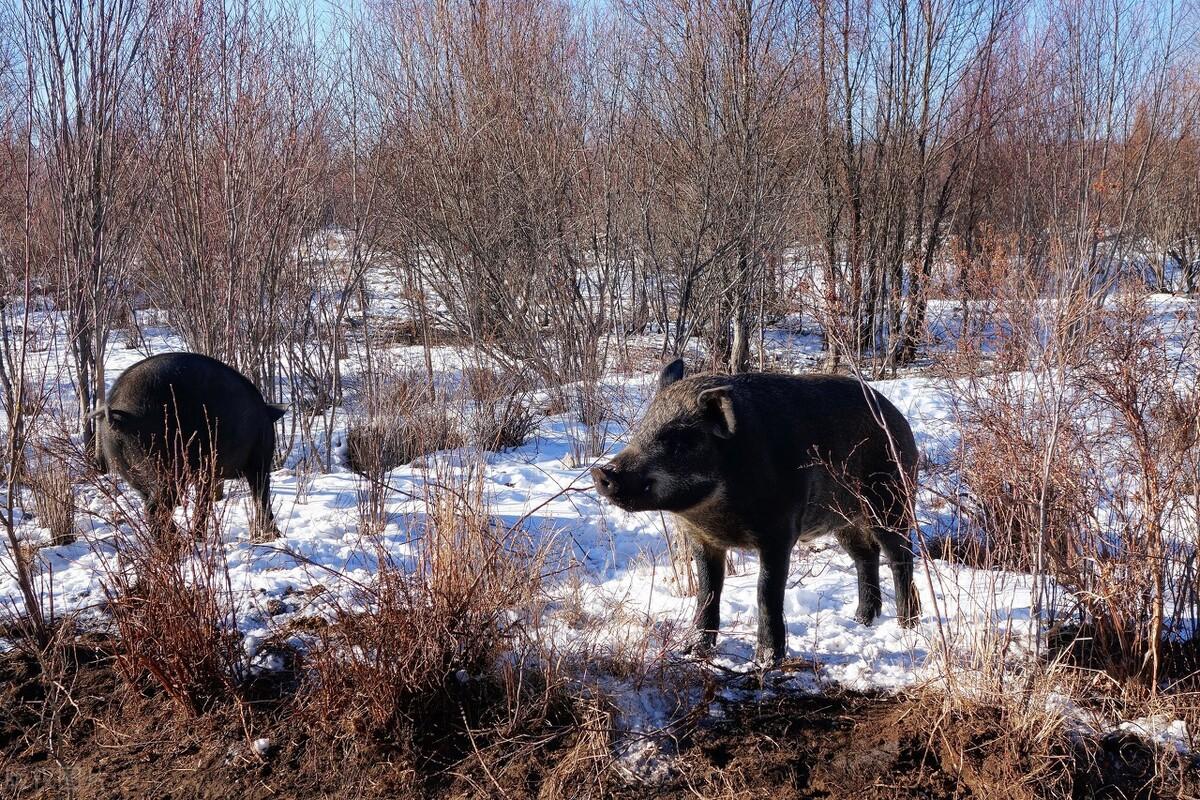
<point>864,551</point>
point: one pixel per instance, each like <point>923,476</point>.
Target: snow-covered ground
<point>612,575</point>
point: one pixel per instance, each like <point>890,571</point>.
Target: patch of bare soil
<point>75,730</point>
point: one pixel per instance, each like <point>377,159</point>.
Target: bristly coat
<point>176,418</point>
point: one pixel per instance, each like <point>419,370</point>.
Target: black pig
<point>760,461</point>
<point>177,417</point>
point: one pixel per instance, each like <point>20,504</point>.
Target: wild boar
<point>180,418</point>
<point>762,461</point>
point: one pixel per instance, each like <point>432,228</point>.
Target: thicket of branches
<point>540,175</point>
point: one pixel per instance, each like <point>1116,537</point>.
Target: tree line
<point>542,178</point>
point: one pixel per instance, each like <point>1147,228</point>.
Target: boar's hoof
<point>865,616</point>
<point>701,644</point>
<point>768,657</point>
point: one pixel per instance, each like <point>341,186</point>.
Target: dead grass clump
<point>926,744</point>
<point>431,660</point>
<point>48,476</point>
<point>503,416</point>
<point>400,416</point>
<point>387,330</point>
<point>635,359</point>
<point>378,444</point>
<point>504,426</point>
<point>484,384</point>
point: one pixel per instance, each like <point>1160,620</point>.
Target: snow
<point>613,581</point>
<point>622,558</point>
<point>1163,730</point>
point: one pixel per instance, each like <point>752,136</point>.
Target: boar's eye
<point>680,439</point>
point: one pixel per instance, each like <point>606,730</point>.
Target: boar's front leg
<point>774,560</point>
<point>161,502</point>
<point>710,571</point>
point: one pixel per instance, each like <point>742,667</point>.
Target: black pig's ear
<point>670,373</point>
<point>717,405</point>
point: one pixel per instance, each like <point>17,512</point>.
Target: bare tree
<point>502,191</point>
<point>720,132</point>
<point>86,61</point>
<point>904,101</point>
<point>241,101</point>
<point>21,401</point>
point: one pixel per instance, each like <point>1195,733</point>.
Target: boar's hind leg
<point>710,570</point>
<point>898,548</point>
<point>864,551</point>
<point>772,580</point>
<point>258,475</point>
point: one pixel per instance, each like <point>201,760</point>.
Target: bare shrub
<point>1144,467</point>
<point>1083,469</point>
<point>507,219</point>
<point>1002,466</point>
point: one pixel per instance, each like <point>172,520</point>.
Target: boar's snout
<point>629,489</point>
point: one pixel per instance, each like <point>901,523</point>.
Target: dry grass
<point>1049,730</point>
<point>51,484</point>
<point>503,415</point>
<point>445,639</point>
<point>171,604</point>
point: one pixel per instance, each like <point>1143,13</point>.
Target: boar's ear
<point>670,373</point>
<point>275,411</point>
<point>717,406</point>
